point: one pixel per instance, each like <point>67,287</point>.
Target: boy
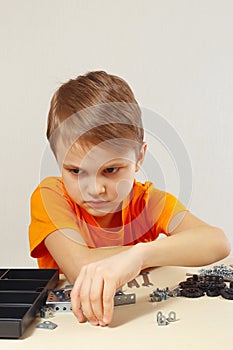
<point>96,223</point>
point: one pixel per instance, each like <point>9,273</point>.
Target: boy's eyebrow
<point>115,161</point>
<point>110,162</point>
<point>70,166</point>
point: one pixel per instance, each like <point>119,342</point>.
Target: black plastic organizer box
<point>22,293</point>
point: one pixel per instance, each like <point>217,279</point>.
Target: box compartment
<point>18,298</point>
<point>2,272</point>
<point>19,285</point>
<point>32,274</point>
<point>22,294</point>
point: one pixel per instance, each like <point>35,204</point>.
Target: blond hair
<point>93,108</point>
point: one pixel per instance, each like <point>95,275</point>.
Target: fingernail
<point>105,320</point>
<point>101,323</point>
<point>81,319</point>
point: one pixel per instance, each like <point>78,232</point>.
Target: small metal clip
<point>47,325</point>
<point>161,319</point>
<point>171,316</point>
<point>46,312</point>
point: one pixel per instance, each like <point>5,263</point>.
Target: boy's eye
<point>111,170</point>
<point>76,171</point>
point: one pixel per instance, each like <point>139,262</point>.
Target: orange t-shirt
<point>146,213</point>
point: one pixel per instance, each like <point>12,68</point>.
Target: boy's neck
<point>111,220</point>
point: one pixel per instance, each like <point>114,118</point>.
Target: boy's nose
<point>96,188</point>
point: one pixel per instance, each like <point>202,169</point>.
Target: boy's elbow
<point>223,246</point>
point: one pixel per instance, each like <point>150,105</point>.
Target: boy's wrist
<point>140,249</point>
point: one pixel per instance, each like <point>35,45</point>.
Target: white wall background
<point>177,55</point>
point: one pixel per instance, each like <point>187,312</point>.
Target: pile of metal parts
<point>219,270</point>
<point>59,300</point>
<point>217,281</point>
<point>212,282</point>
<point>163,294</point>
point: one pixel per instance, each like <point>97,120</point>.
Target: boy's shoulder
<point>146,191</point>
<point>145,187</point>
<point>53,183</point>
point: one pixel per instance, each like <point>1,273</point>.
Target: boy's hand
<point>93,293</point>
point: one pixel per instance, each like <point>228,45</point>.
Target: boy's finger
<point>86,302</point>
<point>108,300</point>
<point>96,297</point>
<point>75,297</point>
<point>77,308</point>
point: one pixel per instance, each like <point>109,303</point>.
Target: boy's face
<point>98,179</point>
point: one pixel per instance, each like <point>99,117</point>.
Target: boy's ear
<point>141,156</point>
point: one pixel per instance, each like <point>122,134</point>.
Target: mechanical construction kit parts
<point>146,281</point>
<point>123,299</point>
<point>164,294</point>
<point>46,312</point>
<point>47,325</point>
<point>210,282</point>
<point>59,301</point>
<point>210,285</point>
<point>219,270</point>
<point>22,294</point>
<point>162,320</point>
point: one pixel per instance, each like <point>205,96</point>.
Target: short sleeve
<point>50,211</point>
<point>163,206</point>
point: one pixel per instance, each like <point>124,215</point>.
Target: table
<point>203,323</point>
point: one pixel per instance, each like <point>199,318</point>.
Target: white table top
<point>203,323</point>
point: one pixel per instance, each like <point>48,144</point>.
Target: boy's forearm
<point>95,254</point>
<point>193,247</point>
<point>71,256</point>
<point>87,256</point>
<point>90,255</point>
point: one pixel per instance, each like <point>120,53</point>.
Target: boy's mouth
<point>96,204</point>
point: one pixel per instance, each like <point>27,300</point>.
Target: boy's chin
<point>101,213</point>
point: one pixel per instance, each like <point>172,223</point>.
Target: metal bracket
<point>146,282</point>
<point>123,299</point>
<point>59,300</point>
<point>133,283</point>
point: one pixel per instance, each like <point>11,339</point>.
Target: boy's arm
<point>71,256</point>
<point>192,243</point>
